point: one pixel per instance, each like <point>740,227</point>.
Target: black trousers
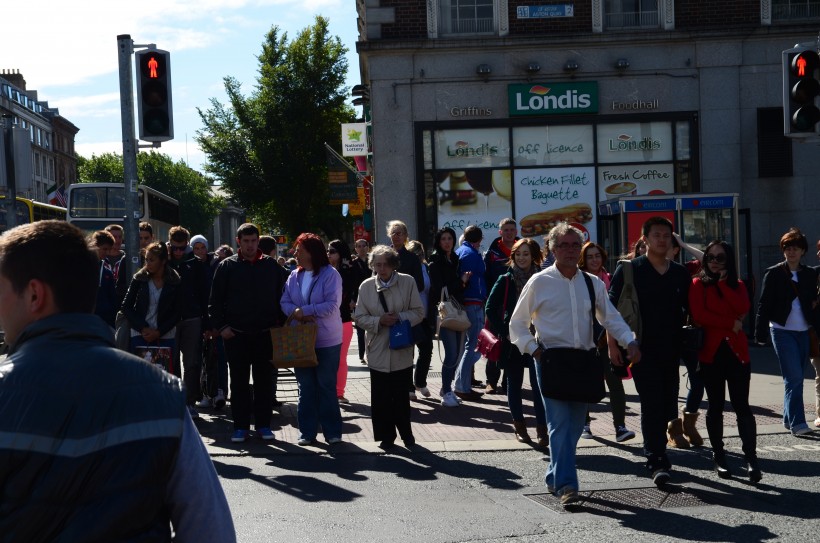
<point>725,370</point>
<point>425,356</point>
<point>390,404</point>
<point>657,381</point>
<point>248,353</point>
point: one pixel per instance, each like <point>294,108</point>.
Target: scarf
<point>522,276</point>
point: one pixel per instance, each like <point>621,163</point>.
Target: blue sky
<point>67,51</point>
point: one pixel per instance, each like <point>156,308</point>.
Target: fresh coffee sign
<point>553,98</point>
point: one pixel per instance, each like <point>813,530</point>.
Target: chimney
<point>15,78</point>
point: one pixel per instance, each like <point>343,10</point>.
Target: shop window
<point>774,150</point>
<point>460,17</point>
<point>788,10</point>
<point>631,13</point>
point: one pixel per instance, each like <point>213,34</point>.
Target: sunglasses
<point>720,259</point>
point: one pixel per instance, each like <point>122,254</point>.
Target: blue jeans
<point>696,385</point>
<point>516,366</point>
<point>792,349</point>
<point>317,396</point>
<point>452,342</point>
<point>464,373</point>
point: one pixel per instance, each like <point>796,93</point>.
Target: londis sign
<point>553,98</point>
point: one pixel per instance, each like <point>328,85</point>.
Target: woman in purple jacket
<point>313,293</point>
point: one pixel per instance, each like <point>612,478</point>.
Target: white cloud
<point>100,105</point>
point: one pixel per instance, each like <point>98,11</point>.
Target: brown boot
<point>689,429</point>
<point>521,432</point>
<point>675,430</point>
<point>543,436</point>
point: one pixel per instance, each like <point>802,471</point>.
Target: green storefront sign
<point>553,98</point>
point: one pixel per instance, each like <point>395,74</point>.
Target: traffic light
<point>801,88</point>
<point>154,106</point>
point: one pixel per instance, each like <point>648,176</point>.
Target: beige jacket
<point>402,297</point>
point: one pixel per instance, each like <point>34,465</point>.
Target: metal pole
<point>125,46</point>
<point>11,197</point>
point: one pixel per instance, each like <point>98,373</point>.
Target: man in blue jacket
<point>95,444</point>
<point>471,268</point>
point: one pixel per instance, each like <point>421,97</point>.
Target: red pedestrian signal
<point>154,104</point>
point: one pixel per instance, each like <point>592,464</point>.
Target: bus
<point>93,206</point>
<point>29,211</point>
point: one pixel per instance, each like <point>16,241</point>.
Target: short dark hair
<point>267,244</point>
<point>101,238</point>
<point>115,226</point>
<point>314,245</point>
<point>247,229</point>
<point>506,221</point>
<point>179,234</point>
<point>146,227</point>
<point>656,221</point>
<point>57,254</point>
<point>794,238</point>
<point>473,234</point>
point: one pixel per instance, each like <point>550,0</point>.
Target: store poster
<point>635,142</point>
<point>560,145</point>
<point>545,197</point>
<point>618,180</point>
<point>161,356</point>
<point>473,185</point>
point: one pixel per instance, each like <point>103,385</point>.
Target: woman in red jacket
<point>719,302</point>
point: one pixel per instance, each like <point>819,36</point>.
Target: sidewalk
<point>484,424</point>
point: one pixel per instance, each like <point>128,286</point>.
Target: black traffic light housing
<point>155,110</point>
<point>801,87</point>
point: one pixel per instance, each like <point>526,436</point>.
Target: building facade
<point>483,109</point>
<point>53,162</point>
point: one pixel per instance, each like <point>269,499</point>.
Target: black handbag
<point>574,375</point>
<point>691,338</point>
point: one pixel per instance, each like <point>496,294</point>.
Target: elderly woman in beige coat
<point>390,369</point>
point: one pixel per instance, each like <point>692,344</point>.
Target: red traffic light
<point>804,64</point>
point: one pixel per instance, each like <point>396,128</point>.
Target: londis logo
<point>553,98</point>
<point>624,142</point>
<point>463,149</point>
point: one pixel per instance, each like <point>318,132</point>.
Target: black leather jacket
<point>96,435</point>
<point>777,295</point>
<point>135,306</point>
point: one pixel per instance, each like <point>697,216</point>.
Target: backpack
<point>628,305</point>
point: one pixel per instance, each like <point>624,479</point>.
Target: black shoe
<point>721,467</point>
<point>475,383</point>
<point>753,470</point>
<point>275,403</point>
<point>386,444</point>
<point>410,443</point>
<point>660,477</point>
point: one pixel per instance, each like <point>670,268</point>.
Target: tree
<point>268,148</point>
<point>197,205</point>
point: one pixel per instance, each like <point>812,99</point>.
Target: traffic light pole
<point>125,45</point>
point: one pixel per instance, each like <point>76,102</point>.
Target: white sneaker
<point>449,400</point>
<point>424,391</point>
<point>204,402</point>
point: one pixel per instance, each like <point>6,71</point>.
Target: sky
<point>67,51</point>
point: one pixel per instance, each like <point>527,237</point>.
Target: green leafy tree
<point>197,205</point>
<point>268,148</point>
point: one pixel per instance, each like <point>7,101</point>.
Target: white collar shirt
<point>559,309</point>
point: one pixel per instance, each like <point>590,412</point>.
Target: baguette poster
<point>546,196</point>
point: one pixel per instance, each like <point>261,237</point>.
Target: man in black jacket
<point>244,305</point>
<point>188,341</point>
<point>95,444</point>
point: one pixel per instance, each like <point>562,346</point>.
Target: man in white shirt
<point>557,302</point>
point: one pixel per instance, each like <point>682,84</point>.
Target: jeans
<point>792,350</point>
<point>452,342</point>
<point>816,363</point>
<point>425,350</point>
<point>657,380</point>
<point>317,396</point>
<point>464,373</point>
<point>250,353</point>
<point>189,350</point>
<point>516,365</point>
<point>696,387</point>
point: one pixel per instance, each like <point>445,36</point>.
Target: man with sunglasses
<point>194,286</point>
<point>662,287</point>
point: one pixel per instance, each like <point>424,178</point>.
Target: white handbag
<point>451,314</point>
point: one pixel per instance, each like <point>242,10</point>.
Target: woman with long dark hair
<point>443,270</point>
<point>313,293</point>
<point>719,302</point>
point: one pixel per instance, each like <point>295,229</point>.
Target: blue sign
<point>545,12</point>
<point>707,202</point>
<point>665,204</point>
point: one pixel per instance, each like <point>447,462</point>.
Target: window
<point>631,13</point>
<point>784,10</point>
<point>467,17</point>
<point>774,150</point>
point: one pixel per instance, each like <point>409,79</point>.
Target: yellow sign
<point>357,209</point>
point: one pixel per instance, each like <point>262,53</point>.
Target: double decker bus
<point>93,206</point>
<point>28,211</point>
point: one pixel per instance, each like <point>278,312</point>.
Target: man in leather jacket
<point>95,443</point>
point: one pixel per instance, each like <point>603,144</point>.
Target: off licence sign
<point>545,12</point>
